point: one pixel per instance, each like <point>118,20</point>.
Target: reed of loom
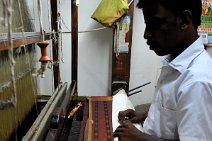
<point>26,87</point>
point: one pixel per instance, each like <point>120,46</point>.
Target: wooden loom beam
<point>121,63</point>
<point>55,46</point>
<point>74,41</point>
<point>18,41</point>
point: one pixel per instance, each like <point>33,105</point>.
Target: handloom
<point>95,120</point>
<point>91,122</point>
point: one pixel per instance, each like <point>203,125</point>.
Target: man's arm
<point>128,132</point>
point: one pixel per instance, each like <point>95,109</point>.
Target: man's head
<point>171,25</point>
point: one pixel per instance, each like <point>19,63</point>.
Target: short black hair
<point>177,6</point>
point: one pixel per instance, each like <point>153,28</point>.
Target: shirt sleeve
<point>194,112</point>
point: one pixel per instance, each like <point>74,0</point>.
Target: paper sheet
<point>121,102</point>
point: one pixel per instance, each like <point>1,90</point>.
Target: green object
<point>109,11</point>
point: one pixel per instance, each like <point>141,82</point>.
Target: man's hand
<point>131,115</point>
<point>127,132</point>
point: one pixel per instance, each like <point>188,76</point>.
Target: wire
<point>91,30</point>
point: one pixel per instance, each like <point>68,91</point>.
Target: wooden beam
<point>18,39</point>
<point>74,41</point>
<point>55,47</point>
<point>121,63</point>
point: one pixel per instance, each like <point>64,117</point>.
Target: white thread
<point>49,15</point>
<point>116,47</point>
<point>130,2</point>
<point>40,18</point>
<point>50,30</point>
<point>34,11</point>
<point>13,101</point>
<point>4,3</point>
<point>28,56</point>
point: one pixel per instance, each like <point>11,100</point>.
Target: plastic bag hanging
<point>109,11</point>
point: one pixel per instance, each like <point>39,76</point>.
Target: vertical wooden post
<point>55,48</point>
<point>74,41</point>
<point>121,63</point>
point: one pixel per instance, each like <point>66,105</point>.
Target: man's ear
<point>186,19</point>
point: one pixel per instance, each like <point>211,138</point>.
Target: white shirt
<point>182,104</point>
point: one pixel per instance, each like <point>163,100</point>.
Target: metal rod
<point>134,93</point>
<point>139,87</point>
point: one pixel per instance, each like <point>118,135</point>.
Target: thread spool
<point>44,58</point>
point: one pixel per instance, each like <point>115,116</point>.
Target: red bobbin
<point>44,57</point>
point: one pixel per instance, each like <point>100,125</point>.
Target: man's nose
<point>147,33</point>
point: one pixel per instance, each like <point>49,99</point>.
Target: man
<point>182,105</point>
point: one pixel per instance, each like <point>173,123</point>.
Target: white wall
<point>94,62</point>
<point>145,65</point>
<point>45,85</point>
<point>95,55</point>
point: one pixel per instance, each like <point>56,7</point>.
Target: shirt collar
<point>182,61</point>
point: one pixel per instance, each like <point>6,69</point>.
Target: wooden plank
<point>55,46</point>
<point>74,41</point>
<point>19,41</point>
<point>121,63</point>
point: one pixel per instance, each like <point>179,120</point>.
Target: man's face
<point>162,30</point>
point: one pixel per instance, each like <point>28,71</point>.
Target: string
<point>116,40</point>
<point>61,34</point>
<point>83,31</point>
<point>8,15</point>
<point>40,18</point>
<point>50,30</point>
<point>11,59</point>
<point>60,21</point>
<point>4,13</point>
<point>130,2</point>
<point>27,55</point>
<point>91,30</point>
<point>13,101</point>
<point>49,15</point>
<point>34,11</point>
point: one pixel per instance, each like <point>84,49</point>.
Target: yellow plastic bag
<point>109,11</point>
